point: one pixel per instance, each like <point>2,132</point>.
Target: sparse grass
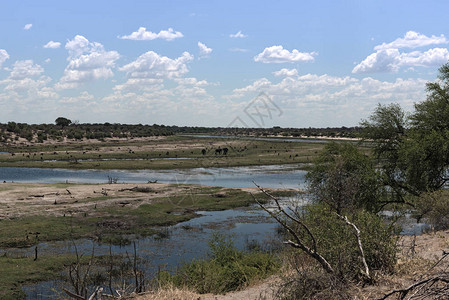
<point>186,150</point>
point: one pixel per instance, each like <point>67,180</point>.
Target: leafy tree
<point>345,179</point>
<point>413,150</point>
<point>63,122</point>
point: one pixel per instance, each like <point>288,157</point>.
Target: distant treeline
<point>64,128</point>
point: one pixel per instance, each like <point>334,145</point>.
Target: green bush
<point>225,269</point>
<point>337,242</point>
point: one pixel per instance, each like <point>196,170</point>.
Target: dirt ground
<point>19,199</point>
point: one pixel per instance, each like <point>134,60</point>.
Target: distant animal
<point>203,151</point>
<point>225,151</point>
<point>218,151</point>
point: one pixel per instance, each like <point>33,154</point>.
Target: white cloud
<point>87,61</point>
<point>193,81</point>
<point>391,60</point>
<point>52,45</point>
<point>143,35</point>
<point>152,65</point>
<point>204,51</point>
<point>380,61</point>
<point>286,72</point>
<point>277,54</point>
<point>47,60</point>
<point>413,39</point>
<point>3,56</point>
<point>140,84</point>
<point>27,26</point>
<point>388,57</point>
<point>238,35</point>
<point>432,57</point>
<point>325,100</point>
<point>238,50</point>
<point>24,69</point>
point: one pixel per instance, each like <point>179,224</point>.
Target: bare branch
<point>403,292</point>
<point>296,220</point>
<point>359,242</point>
<point>312,252</point>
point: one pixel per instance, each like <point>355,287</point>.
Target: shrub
<point>336,241</point>
<point>225,269</point>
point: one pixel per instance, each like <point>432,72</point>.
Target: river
<point>273,176</point>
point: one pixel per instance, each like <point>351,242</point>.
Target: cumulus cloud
<point>87,61</point>
<point>52,45</point>
<point>204,51</point>
<point>277,54</point>
<point>152,65</point>
<point>27,26</point>
<point>391,60</point>
<point>413,39</point>
<point>24,69</point>
<point>286,72</point>
<point>143,35</point>
<point>3,56</point>
<point>238,35</point>
<point>325,100</point>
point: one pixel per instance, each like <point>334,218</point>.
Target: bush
<point>226,268</point>
<point>312,283</point>
<point>338,244</point>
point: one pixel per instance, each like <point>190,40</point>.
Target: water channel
<point>186,240</point>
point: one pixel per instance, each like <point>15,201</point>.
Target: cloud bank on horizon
<point>202,75</point>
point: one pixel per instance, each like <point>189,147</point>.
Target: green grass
<point>224,269</point>
<point>16,272</point>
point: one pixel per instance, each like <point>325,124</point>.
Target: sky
<point>217,63</point>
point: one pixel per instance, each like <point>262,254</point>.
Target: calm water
<point>244,225</point>
<point>277,176</point>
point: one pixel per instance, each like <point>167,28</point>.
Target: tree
<point>345,179</point>
<point>413,151</point>
<point>63,122</point>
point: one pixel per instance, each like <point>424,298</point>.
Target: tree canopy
<point>413,150</point>
<point>63,122</point>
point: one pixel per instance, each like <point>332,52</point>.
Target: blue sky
<point>204,63</point>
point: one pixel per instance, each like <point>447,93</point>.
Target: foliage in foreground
<point>226,268</point>
<point>338,244</point>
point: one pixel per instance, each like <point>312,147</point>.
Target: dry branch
<point>359,243</point>
<point>298,243</point>
<point>421,284</point>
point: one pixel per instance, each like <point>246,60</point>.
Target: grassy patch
<point>16,272</point>
<point>225,269</point>
<point>110,224</point>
